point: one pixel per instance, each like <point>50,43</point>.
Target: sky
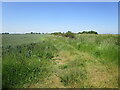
<point>48,17</point>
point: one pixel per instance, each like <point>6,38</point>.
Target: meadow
<point>52,61</point>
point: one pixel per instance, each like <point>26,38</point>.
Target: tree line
<point>72,35</point>
<point>67,34</point>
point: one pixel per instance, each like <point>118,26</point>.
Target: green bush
<point>69,34</point>
<point>88,32</point>
<point>56,33</point>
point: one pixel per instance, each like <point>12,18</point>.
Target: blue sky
<point>21,17</point>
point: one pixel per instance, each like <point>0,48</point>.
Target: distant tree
<point>88,32</point>
<point>84,32</point>
<point>92,32</point>
<point>5,33</point>
<point>32,33</point>
<point>79,32</point>
<point>57,33</point>
<point>69,34</point>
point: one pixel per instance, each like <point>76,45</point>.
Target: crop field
<point>52,61</point>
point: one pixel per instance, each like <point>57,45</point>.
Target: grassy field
<point>48,61</point>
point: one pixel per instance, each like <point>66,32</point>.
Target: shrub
<point>69,34</point>
<point>88,32</point>
<point>57,33</point>
<point>92,32</point>
<point>5,33</point>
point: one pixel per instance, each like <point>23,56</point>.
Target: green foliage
<point>25,63</point>
<point>74,73</point>
<point>102,46</point>
<point>5,33</point>
<point>33,33</point>
<point>19,39</point>
<point>69,34</point>
<point>27,58</point>
<point>56,33</point>
<point>73,76</point>
<point>88,32</point>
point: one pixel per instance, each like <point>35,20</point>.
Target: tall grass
<point>19,39</point>
<point>101,46</point>
<point>25,63</point>
<point>74,73</point>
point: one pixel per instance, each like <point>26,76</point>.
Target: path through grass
<point>78,69</point>
<point>88,61</point>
